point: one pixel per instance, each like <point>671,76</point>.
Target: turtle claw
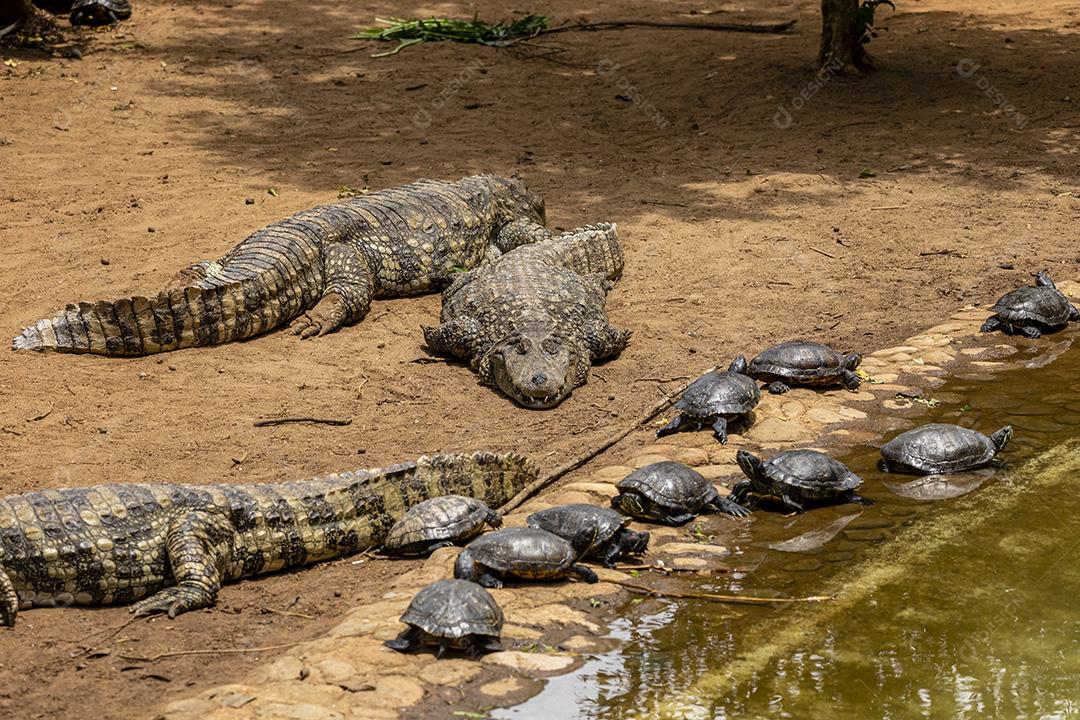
<point>777,388</point>
<point>990,325</point>
<point>1031,332</point>
<point>585,573</point>
<point>730,507</point>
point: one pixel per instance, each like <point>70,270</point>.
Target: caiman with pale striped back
<point>319,269</point>
<point>168,548</point>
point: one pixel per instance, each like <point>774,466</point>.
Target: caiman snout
<point>539,379</point>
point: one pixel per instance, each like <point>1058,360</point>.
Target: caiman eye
<point>523,345</point>
<point>550,346</point>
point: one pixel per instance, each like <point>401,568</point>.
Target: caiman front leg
<point>606,341</point>
<point>520,232</point>
<point>199,546</point>
<point>457,337</point>
<point>349,287</point>
<point>9,599</point>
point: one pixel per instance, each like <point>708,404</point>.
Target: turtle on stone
<point>716,398</point>
<point>670,493</point>
<point>803,362</point>
<point>524,553</point>
<point>1031,311</point>
<point>795,477</point>
<point>439,522</point>
<point>99,12</point>
<point>611,538</point>
<point>451,614</point>
<point>940,448</point>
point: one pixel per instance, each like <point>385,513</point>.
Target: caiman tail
<point>586,250</point>
<point>268,279</point>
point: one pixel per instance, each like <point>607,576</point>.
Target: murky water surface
<point>955,599</point>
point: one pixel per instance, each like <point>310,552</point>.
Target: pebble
<point>539,664</point>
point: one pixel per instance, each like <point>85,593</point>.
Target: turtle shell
<point>801,360</point>
<point>452,518</point>
<point>939,448</point>
<point>525,552</point>
<point>810,474</point>
<point>675,487</point>
<point>99,12</point>
<point>719,392</point>
<point>454,609</point>
<point>1044,305</point>
<point>567,521</point>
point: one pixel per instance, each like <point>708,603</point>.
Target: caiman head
<point>521,202</point>
<point>536,370</point>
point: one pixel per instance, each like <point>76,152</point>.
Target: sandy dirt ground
<point>755,204</point>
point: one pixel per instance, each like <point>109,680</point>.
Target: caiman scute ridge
<point>533,322</point>
<point>319,269</point>
<point>169,547</point>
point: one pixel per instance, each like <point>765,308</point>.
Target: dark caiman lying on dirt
<point>170,547</point>
<point>319,268</point>
<point>533,322</point>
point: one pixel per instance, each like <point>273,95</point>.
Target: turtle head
<point>852,360</point>
<point>1042,279</point>
<point>629,503</point>
<point>1002,437</point>
<point>738,365</point>
<point>632,542</point>
<point>536,370</point>
<point>749,464</point>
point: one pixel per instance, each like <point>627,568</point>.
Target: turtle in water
<point>611,538</point>
<point>716,398</point>
<point>803,362</point>
<point>99,12</point>
<point>670,493</point>
<point>940,448</point>
<point>439,522</point>
<point>795,477</point>
<point>451,614</point>
<point>525,553</point>
<point>1031,311</point>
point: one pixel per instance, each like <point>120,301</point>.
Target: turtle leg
<point>489,581</point>
<point>672,427</point>
<point>850,379</point>
<point>720,430</point>
<point>791,506</point>
<point>407,641</point>
<point>740,491</point>
<point>777,388</point>
<point>858,499</point>
<point>1030,331</point>
<point>676,519</point>
<point>440,649</point>
<point>729,506</point>
<point>991,325</point>
<point>584,573</point>
<point>479,645</point>
<point>1074,314</point>
<point>611,552</point>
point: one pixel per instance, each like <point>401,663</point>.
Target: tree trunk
<point>841,37</point>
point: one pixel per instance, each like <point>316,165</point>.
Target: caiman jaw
<point>539,395</point>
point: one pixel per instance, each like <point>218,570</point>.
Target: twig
<point>287,420</point>
<point>715,597</point>
<point>822,252</point>
<point>936,252</point>
<point>662,202</point>
<point>660,379</point>
<point>886,207</point>
<point>222,651</point>
<point>531,489</point>
<point>42,416</point>
<point>285,613</point>
<point>620,24</point>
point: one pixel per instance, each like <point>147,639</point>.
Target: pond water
<point>964,605</point>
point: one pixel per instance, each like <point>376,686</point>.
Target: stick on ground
<point>287,420</point>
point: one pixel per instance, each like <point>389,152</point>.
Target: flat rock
<point>395,691</point>
<point>612,473</point>
<point>450,672</point>
<point>333,671</point>
<point>298,711</point>
<point>507,687</point>
<point>824,415</point>
<point>685,548</point>
<point>690,456</point>
<point>717,472</point>
<point>687,562</point>
<point>775,430</point>
<point>189,709</point>
<point>642,460</point>
<point>537,664</point>
<point>601,489</point>
<point>792,409</point>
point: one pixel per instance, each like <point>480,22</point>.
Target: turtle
<point>804,362</point>
<point>611,536</point>
<point>715,398</point>
<point>670,493</point>
<point>524,553</point>
<point>451,614</point>
<point>939,448</point>
<point>99,12</point>
<point>796,477</point>
<point>1031,311</point>
<point>439,522</point>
